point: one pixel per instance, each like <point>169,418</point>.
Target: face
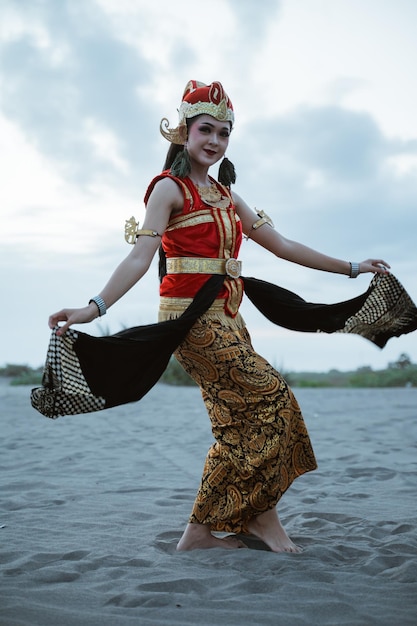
<point>207,140</point>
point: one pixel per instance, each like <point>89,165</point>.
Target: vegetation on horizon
<point>400,373</point>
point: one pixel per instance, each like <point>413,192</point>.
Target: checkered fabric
<point>387,312</point>
<point>64,389</point>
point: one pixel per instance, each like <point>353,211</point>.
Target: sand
<point>92,507</point>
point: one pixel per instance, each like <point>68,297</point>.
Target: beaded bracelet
<point>354,270</point>
<point>101,305</point>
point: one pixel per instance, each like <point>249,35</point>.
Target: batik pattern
<point>261,444</point>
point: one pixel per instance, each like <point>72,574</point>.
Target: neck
<point>199,175</point>
<point>200,183</point>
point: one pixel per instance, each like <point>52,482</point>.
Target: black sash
<point>84,373</point>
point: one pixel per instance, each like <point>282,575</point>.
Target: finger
<point>382,267</point>
<point>381,262</point>
<point>53,320</point>
<point>63,329</point>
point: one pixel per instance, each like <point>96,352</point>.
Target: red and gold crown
<point>199,99</point>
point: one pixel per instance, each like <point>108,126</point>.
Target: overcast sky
<point>325,141</point>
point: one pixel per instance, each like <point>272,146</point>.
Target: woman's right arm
<point>165,199</point>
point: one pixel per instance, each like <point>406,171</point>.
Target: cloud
<point>325,142</point>
<point>63,74</point>
<point>337,168</point>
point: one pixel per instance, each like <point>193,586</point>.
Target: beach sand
<point>92,507</point>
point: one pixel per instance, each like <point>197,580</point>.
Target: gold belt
<point>191,265</point>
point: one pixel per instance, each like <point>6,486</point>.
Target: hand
<point>377,266</point>
<point>73,316</point>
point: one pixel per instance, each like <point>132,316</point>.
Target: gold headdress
<point>199,99</point>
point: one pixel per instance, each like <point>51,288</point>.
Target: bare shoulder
<point>167,192</point>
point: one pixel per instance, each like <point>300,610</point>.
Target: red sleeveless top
<point>204,231</point>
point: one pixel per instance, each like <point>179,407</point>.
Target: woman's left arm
<point>296,252</point>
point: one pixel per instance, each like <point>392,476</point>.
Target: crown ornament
<point>198,99</point>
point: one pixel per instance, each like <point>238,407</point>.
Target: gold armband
<point>132,231</point>
<point>263,219</point>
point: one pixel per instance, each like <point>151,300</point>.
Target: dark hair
<point>173,150</point>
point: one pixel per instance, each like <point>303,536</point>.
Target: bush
<point>175,375</point>
<point>390,377</point>
<point>33,377</point>
<point>11,371</point>
<point>22,374</point>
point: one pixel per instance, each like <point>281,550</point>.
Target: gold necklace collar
<point>211,195</point>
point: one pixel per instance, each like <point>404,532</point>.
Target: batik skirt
<point>261,441</point>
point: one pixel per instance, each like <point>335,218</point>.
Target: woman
<point>262,443</point>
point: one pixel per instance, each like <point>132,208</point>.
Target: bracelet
<point>101,305</point>
<point>263,219</point>
<point>354,270</point>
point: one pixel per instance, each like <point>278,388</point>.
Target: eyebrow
<point>212,125</point>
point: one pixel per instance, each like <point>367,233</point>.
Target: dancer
<point>261,441</point>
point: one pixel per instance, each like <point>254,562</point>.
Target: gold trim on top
<point>173,308</point>
<point>179,305</point>
<point>212,196</point>
<point>190,219</point>
<point>191,265</point>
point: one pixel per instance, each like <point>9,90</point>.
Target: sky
<point>325,141</point>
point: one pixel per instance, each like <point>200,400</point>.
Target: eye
<point>225,133</point>
<point>205,129</point>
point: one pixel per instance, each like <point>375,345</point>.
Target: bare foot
<point>268,527</point>
<point>199,537</point>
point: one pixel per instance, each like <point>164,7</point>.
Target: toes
<point>235,543</point>
<point>294,549</point>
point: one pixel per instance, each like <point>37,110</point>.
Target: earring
<point>227,173</point>
<point>181,166</point>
